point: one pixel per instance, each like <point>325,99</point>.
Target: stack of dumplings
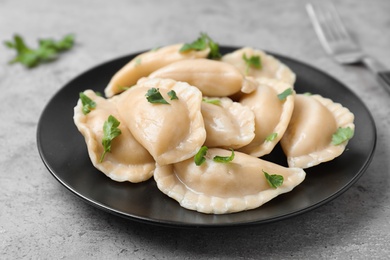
<point>200,126</point>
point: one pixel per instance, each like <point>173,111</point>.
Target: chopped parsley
<point>172,95</point>
<point>110,132</point>
<point>271,137</point>
<point>154,96</point>
<point>342,135</point>
<point>88,104</point>
<point>282,96</point>
<point>274,180</point>
<point>48,50</point>
<point>224,159</point>
<point>137,62</point>
<point>200,44</point>
<point>212,101</point>
<point>251,62</point>
<point>200,155</point>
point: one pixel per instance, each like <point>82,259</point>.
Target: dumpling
<point>272,114</point>
<point>224,187</point>
<point>146,63</point>
<point>308,139</point>
<point>128,160</point>
<point>270,66</point>
<point>170,132</point>
<point>213,78</point>
<point>228,124</point>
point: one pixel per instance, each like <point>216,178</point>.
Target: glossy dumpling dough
<point>147,62</point>
<point>307,141</point>
<point>224,187</point>
<point>228,124</point>
<point>213,78</point>
<point>170,132</point>
<point>272,115</point>
<point>271,67</point>
<point>128,160</point>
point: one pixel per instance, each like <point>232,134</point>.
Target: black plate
<point>63,151</point>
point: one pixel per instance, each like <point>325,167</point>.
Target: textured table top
<point>40,219</point>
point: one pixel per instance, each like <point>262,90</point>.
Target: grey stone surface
<point>40,219</point>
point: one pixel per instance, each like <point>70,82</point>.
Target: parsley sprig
<point>213,101</point>
<point>200,156</point>
<point>48,50</point>
<point>274,180</point>
<point>342,135</point>
<point>110,132</point>
<point>224,159</point>
<point>271,137</point>
<point>154,96</point>
<point>251,62</point>
<point>88,104</point>
<point>282,96</point>
<point>201,43</point>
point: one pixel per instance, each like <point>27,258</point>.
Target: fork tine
<point>337,22</point>
<point>327,24</point>
<point>321,32</point>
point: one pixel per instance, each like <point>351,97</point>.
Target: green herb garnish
<point>202,43</point>
<point>224,159</point>
<point>137,62</point>
<point>110,131</point>
<point>253,61</point>
<point>154,96</point>
<point>200,155</point>
<point>274,180</point>
<point>47,50</point>
<point>342,135</point>
<point>282,96</point>
<point>88,104</point>
<point>172,95</point>
<point>212,101</point>
<point>271,137</point>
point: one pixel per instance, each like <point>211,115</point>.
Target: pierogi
<point>213,78</point>
<point>220,188</point>
<point>128,160</point>
<point>147,62</point>
<point>228,124</point>
<point>308,139</point>
<point>272,115</point>
<point>270,66</point>
<point>170,132</point>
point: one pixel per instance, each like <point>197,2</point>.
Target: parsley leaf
<point>172,95</point>
<point>200,155</point>
<point>212,101</point>
<point>137,62</point>
<point>282,96</point>
<point>342,135</point>
<point>154,96</point>
<point>271,137</point>
<point>274,180</point>
<point>202,43</point>
<point>110,131</point>
<point>253,61</point>
<point>224,159</point>
<point>47,50</point>
<point>88,104</point>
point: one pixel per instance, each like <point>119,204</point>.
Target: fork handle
<point>380,70</point>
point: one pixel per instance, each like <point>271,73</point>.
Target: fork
<point>337,42</point>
